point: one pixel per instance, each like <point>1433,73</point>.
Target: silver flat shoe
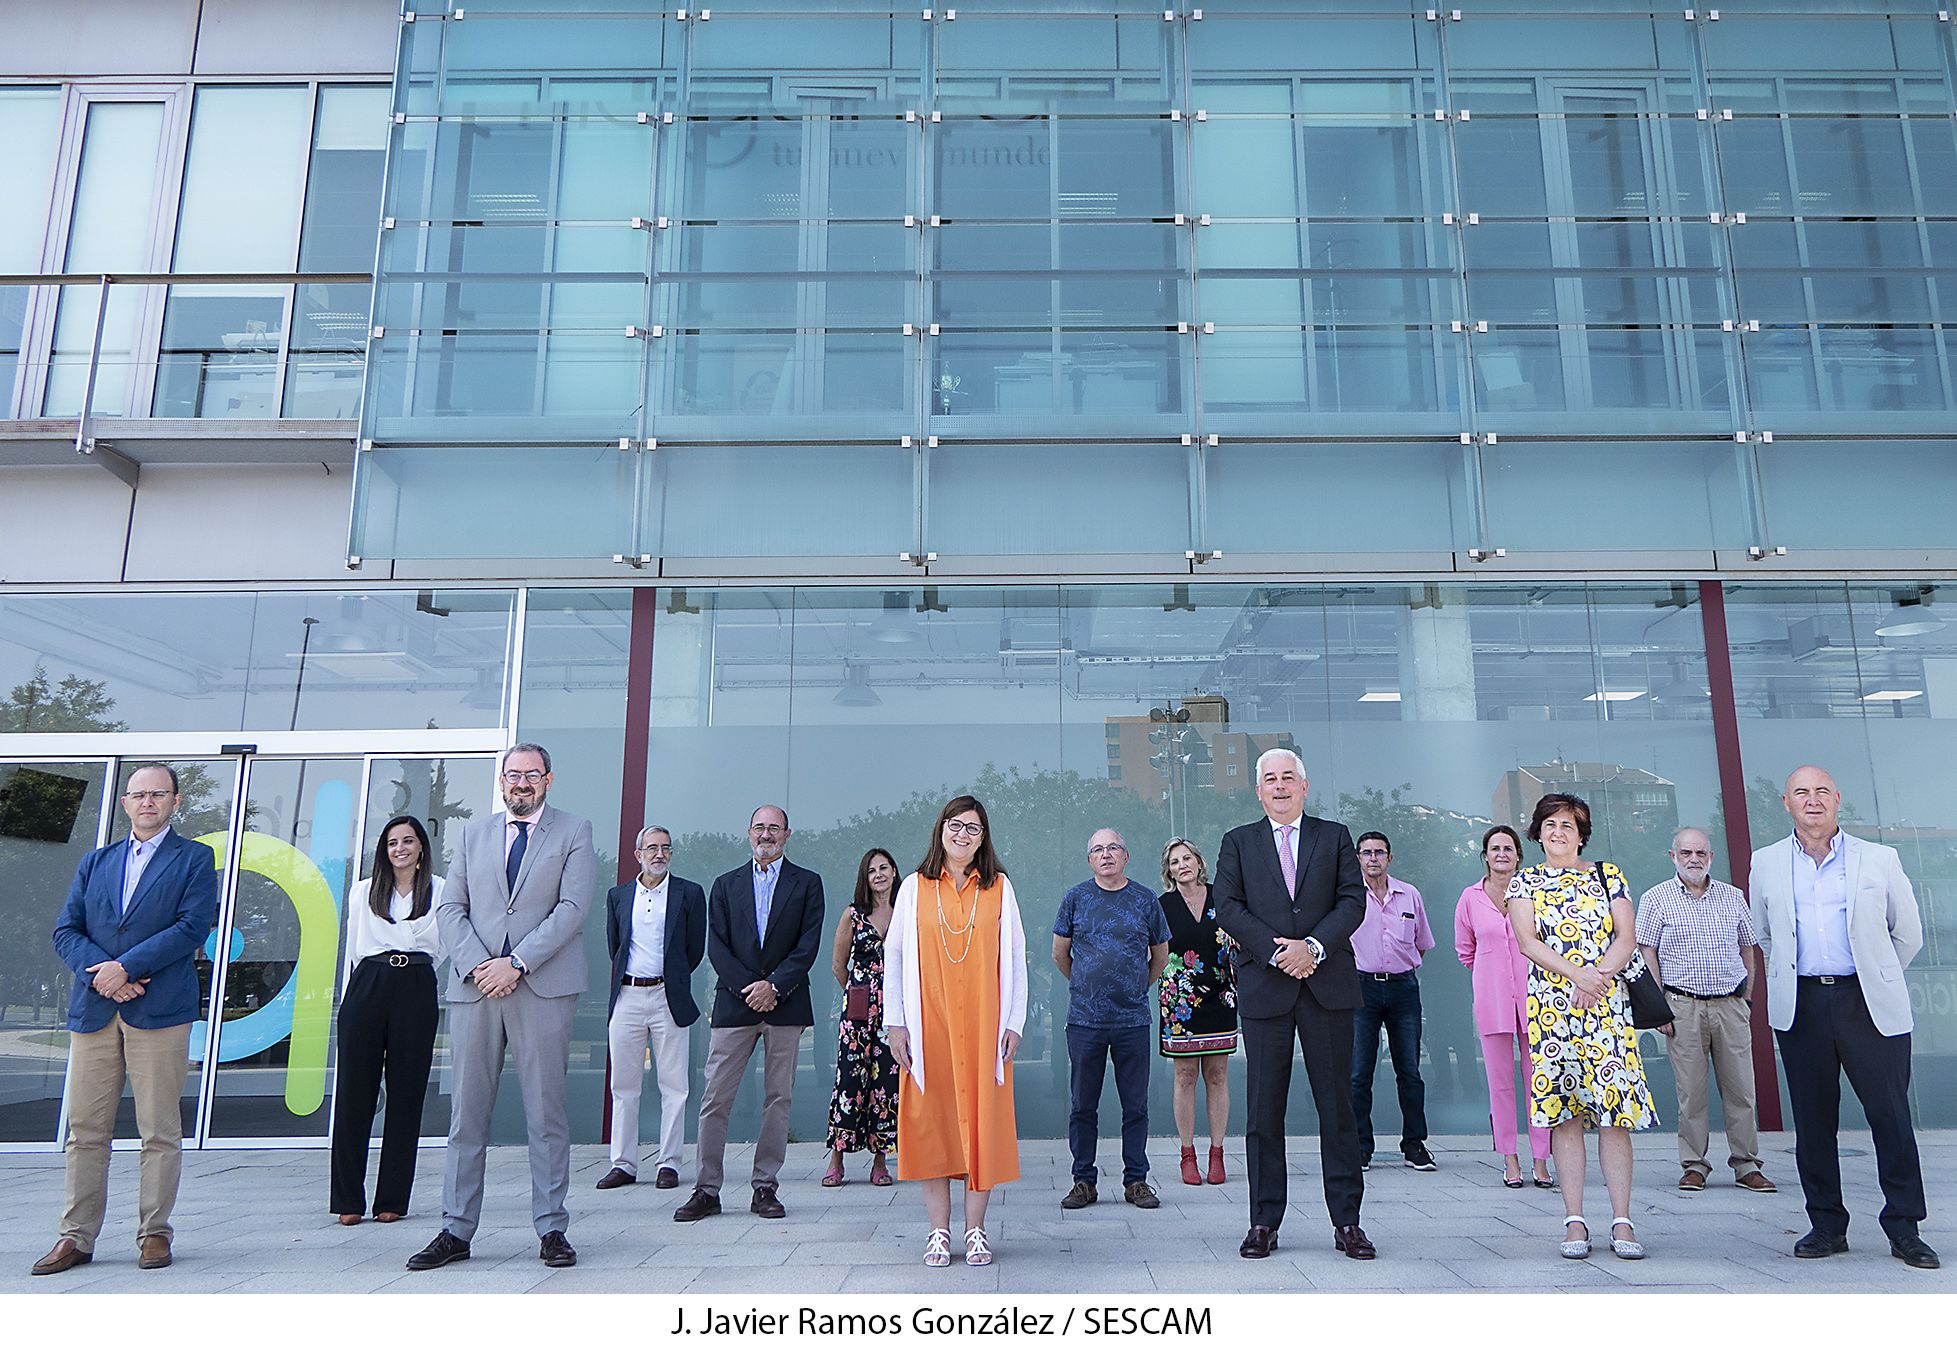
<point>1622,1249</point>
<point>1579,1249</point>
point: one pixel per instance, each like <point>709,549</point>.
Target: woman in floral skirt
<point>1199,1004</point>
<point>863,1109</point>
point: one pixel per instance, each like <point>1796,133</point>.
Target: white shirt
<point>135,860</point>
<point>368,934</point>
<point>647,956</point>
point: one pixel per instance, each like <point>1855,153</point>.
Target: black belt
<point>629,981</point>
<point>1828,979</point>
<point>400,958</point>
<point>1700,996</point>
<point>1386,977</point>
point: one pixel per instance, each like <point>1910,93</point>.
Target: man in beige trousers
<point>137,913</point>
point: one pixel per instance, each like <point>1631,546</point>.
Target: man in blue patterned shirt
<point>1111,940</point>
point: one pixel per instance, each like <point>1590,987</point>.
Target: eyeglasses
<point>958,829</point>
<point>768,829</point>
<point>1372,853</point>
<point>655,850</point>
<point>149,796</point>
<point>524,777</point>
<point>1107,850</point>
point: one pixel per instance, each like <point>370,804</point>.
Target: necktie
<point>515,862</point>
<point>1285,859</point>
<point>764,897</point>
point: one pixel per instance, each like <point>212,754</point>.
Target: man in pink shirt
<point>1387,947</point>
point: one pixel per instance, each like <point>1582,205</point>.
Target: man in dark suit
<point>1288,889</point>
<point>656,930</point>
<point>764,926</point>
<point>136,915</point>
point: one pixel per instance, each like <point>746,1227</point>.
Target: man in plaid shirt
<point>1695,932</point>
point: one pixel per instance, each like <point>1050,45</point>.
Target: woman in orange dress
<point>954,1004</point>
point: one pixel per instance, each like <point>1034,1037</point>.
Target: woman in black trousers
<point>388,1017</point>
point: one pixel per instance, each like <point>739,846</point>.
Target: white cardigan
<point>903,1002</point>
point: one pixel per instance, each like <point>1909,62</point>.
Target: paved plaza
<point>256,1222</point>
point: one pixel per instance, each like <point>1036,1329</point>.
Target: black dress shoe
<point>616,1177</point>
<point>1915,1252</point>
<point>555,1251</point>
<point>1352,1242</point>
<point>765,1204</point>
<point>1259,1242</point>
<point>668,1178</point>
<point>1818,1243</point>
<point>700,1205</point>
<point>445,1249</point>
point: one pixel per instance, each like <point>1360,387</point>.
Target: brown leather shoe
<point>1758,1183</point>
<point>1352,1242</point>
<point>616,1177</point>
<point>154,1253</point>
<point>1258,1243</point>
<point>65,1256</point>
<point>349,1219</point>
<point>668,1178</point>
<point>388,1217</point>
<point>1694,1180</point>
<point>700,1205</point>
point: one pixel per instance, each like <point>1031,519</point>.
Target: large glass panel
<point>89,335</point>
<point>809,169</point>
<point>1048,169</point>
<point>1411,374</point>
<point>30,123</point>
<point>228,222</point>
<point>975,502</point>
<point>296,857</point>
<point>328,350</point>
<point>50,815</point>
<point>343,183</point>
<point>13,320</point>
<point>1849,378</point>
<point>1824,166</point>
<point>1333,166</point>
<point>220,352</point>
<point>1842,495</point>
<point>1845,678</point>
<point>1075,275</point>
<point>1343,272</point>
<point>818,64</point>
<point>431,502</point>
<point>433,657</point>
<point>1606,380</point>
<point>543,386</point>
<point>523,169</point>
<point>1317,497</point>
<point>1039,63</point>
<point>494,61</point>
<point>1633,496</point>
<point>1825,63</point>
<point>781,500</point>
<point>1116,377</point>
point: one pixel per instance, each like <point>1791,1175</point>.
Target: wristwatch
<point>518,964</point>
<point>1317,950</point>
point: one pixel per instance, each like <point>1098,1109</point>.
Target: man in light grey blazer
<point>512,922</point>
<point>1838,924</point>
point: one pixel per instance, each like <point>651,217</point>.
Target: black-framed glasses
<point>962,829</point>
<point>524,777</point>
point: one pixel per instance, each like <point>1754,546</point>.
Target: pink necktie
<point>1284,858</point>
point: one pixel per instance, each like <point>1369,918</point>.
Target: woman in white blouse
<point>388,1017</point>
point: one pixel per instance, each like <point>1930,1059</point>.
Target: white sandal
<point>976,1251</point>
<point>937,1248</point>
<point>1577,1250</point>
<point>1625,1250</point>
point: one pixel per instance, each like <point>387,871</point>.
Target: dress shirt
<point>1701,942</point>
<point>1395,932</point>
<point>1821,911</point>
<point>368,934</point>
<point>765,879</point>
<point>509,830</point>
<point>134,861</point>
<point>1278,835</point>
<point>647,956</point>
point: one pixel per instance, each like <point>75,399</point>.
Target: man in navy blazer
<point>656,930</point>
<point>137,913</point>
<point>764,926</point>
<point>1289,891</point>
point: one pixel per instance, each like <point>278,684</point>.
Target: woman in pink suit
<point>1486,943</point>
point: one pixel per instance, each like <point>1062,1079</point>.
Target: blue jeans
<point>1394,1006</point>
<point>1089,1048</point>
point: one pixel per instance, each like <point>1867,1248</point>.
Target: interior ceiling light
<point>898,623</point>
<point>1379,696</point>
<point>1892,694</point>
<point>856,689</point>
<point>1614,695</point>
<point>1910,616</point>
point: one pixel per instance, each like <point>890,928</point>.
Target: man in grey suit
<point>1838,924</point>
<point>512,919</point>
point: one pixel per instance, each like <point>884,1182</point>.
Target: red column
<point>632,772</point>
<point>1739,837</point>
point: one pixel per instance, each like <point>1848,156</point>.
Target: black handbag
<point>1649,1009</point>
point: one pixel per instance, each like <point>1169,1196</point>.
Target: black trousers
<point>387,1032</point>
<point>1392,1005</point>
<point>1325,1038</point>
<point>1832,1034</point>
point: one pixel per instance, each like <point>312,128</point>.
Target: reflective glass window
<point>975,502</point>
<point>1326,497</point>
<point>219,356</point>
<point>811,169</point>
<point>818,64</point>
<point>705,501</point>
<point>1842,495</point>
<point>343,182</point>
<point>432,502</point>
<point>1047,169</point>
<point>1660,496</point>
<point>1105,373</point>
<point>30,124</point>
<point>523,170</point>
<point>1038,63</point>
<point>327,351</point>
<point>232,222</point>
<point>1407,372</point>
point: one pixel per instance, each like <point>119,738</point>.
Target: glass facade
<point>1178,258</point>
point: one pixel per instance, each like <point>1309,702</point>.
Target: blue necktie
<point>515,863</point>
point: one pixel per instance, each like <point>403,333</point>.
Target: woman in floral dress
<point>863,1109</point>
<point>1199,1004</point>
<point>1573,922</point>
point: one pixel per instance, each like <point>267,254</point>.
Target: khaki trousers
<point>1719,1030</point>
<point>728,1051</point>
<point>156,1063</point>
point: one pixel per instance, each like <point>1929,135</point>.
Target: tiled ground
<point>256,1221</point>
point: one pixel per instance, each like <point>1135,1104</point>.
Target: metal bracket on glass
<point>1466,326</point>
<point>1202,115</point>
<point>1168,16</point>
<point>353,561</point>
<point>632,561</point>
<point>1175,115</point>
<point>458,15</point>
<point>924,560</point>
<point>1201,556</point>
<point>1481,554</point>
<point>1203,220</point>
<point>930,441</point>
<point>387,223</point>
<point>378,331</point>
<point>1195,16</point>
<point>1764,551</point>
<point>1453,16</point>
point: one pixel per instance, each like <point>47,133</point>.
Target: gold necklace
<point>968,930</point>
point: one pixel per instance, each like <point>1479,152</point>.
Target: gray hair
<point>1684,828</point>
<point>542,752</point>
<point>1292,753</point>
<point>1119,840</point>
<point>638,842</point>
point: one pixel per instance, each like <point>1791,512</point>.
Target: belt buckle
<point>1379,977</point>
<point>397,961</point>
<point>1827,979</point>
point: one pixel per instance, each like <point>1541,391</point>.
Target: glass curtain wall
<point>894,266</point>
